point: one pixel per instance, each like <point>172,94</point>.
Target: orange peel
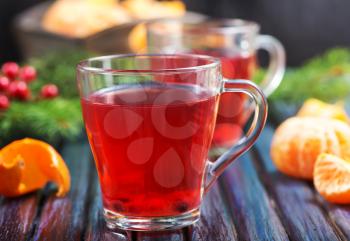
<point>27,165</point>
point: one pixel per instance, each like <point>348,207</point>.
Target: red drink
<point>150,143</point>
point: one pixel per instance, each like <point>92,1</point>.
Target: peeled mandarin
<point>298,141</point>
<point>30,164</point>
<point>317,108</point>
<point>332,178</point>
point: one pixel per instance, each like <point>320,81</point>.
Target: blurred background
<point>305,28</point>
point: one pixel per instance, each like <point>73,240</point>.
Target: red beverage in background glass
<point>236,42</point>
<point>231,116</point>
<point>150,142</point>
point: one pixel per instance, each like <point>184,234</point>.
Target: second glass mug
<point>150,121</point>
<point>235,42</point>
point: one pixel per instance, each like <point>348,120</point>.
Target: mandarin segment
<point>332,178</point>
<point>299,140</point>
<point>40,163</point>
<point>317,108</point>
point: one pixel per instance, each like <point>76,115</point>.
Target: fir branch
<point>326,77</point>
<point>49,120</point>
<point>58,68</point>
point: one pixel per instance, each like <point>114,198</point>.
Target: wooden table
<point>251,201</point>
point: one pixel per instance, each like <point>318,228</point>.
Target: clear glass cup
<point>150,121</point>
<point>236,43</point>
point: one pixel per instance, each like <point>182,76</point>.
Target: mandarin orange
<point>298,141</point>
<point>332,178</point>
<point>317,108</point>
<point>28,164</point>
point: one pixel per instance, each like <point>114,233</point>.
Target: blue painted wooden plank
<point>339,214</point>
<point>279,111</point>
<point>171,235</point>
<point>17,216</point>
<point>216,223</point>
<point>251,208</point>
<point>64,218</point>
<point>301,213</point>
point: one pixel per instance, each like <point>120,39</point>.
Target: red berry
<point>27,73</point>
<point>10,69</point>
<point>49,91</point>
<point>12,89</point>
<point>19,89</point>
<point>4,83</point>
<point>23,91</point>
<point>4,102</point>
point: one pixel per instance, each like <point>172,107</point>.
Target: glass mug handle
<point>277,63</point>
<point>216,168</point>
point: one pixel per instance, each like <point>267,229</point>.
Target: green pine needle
<point>58,68</point>
<point>48,120</point>
<point>325,77</point>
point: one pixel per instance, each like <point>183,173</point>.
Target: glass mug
<point>150,120</point>
<point>235,42</point>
